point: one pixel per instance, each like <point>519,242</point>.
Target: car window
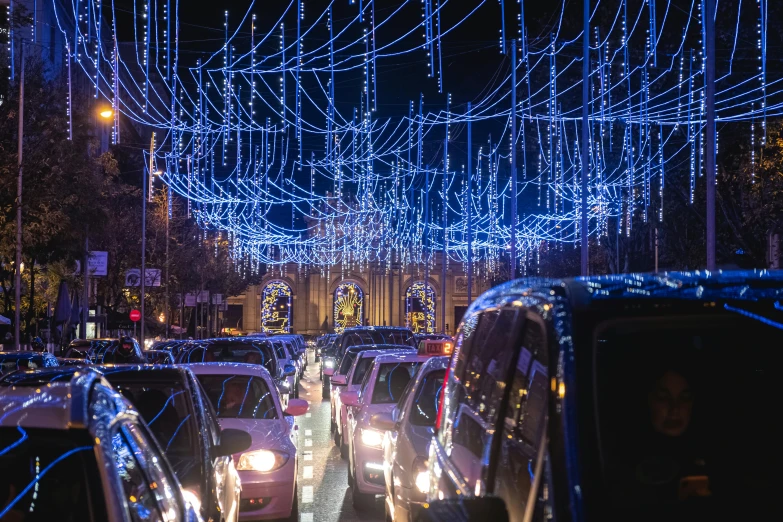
<point>384,336</point>
<point>163,486</point>
<point>686,414</point>
<point>165,408</point>
<point>391,381</point>
<point>13,363</point>
<point>279,350</point>
<point>239,396</point>
<point>360,371</point>
<point>244,352</point>
<point>70,489</point>
<point>525,421</point>
<point>138,494</point>
<point>347,362</point>
<point>426,397</point>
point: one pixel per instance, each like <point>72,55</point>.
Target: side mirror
<point>464,510</point>
<point>289,369</point>
<point>328,371</point>
<point>339,380</point>
<point>297,407</point>
<point>383,421</point>
<point>350,398</point>
<point>231,442</point>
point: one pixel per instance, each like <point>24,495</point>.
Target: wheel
<point>325,390</point>
<point>337,438</point>
<point>344,451</point>
<point>294,516</point>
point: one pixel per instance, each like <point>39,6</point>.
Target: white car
<point>381,389</point>
<point>245,397</point>
<point>409,429</point>
<point>358,359</point>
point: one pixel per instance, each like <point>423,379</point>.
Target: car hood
<point>265,434</point>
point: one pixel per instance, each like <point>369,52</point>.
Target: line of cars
<point>200,440</point>
<point>632,397</point>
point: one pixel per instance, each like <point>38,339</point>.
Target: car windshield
<point>426,398</point>
<point>11,363</point>
<point>244,352</point>
<point>391,381</point>
<point>165,407</point>
<point>49,475</point>
<point>686,420</point>
<point>239,396</point>
<point>380,336</point>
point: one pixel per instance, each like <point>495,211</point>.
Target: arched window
<point>348,306</point>
<point>420,308</point>
<point>276,307</point>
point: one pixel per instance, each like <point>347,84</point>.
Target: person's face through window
<point>671,404</point>
<point>235,394</point>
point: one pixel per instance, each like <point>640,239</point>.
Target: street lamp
<point>106,113</point>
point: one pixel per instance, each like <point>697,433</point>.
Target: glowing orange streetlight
<point>106,113</point>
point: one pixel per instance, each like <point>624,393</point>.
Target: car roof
<point>382,328</point>
<point>364,347</point>
<point>223,368</point>
<point>376,353</point>
<point>140,372</point>
<point>22,354</point>
<point>438,362</point>
<point>55,405</point>
<point>413,356</point>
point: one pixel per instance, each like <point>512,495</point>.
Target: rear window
<point>252,353</point>
<point>165,407</point>
<point>12,363</point>
<point>388,336</point>
<point>49,475</point>
<point>426,398</point>
<point>391,381</point>
<point>694,429</point>
<point>239,396</point>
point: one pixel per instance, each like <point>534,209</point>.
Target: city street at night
<point>391,260</point>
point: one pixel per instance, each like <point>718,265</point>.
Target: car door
<point>484,358</point>
<point>523,443</point>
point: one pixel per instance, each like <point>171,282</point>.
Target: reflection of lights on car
<point>372,438</point>
<point>192,498</point>
<point>329,364</point>
<point>148,343</point>
<point>262,460</point>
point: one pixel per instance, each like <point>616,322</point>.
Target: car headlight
<point>423,481</point>
<point>262,460</point>
<point>372,438</point>
<point>329,363</point>
<point>191,497</point>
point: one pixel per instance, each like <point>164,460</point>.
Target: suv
<point>77,450</point>
<point>629,397</point>
<point>172,403</point>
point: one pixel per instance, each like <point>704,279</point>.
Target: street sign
<point>133,277</point>
<point>217,299</point>
<point>190,300</point>
<point>98,264</point>
<point>203,296</point>
<point>135,315</point>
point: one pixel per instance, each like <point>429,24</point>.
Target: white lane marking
<point>305,517</point>
<point>308,442</point>
<point>308,433</point>
<point>308,455</point>
<point>308,415</point>
<point>307,472</point>
<point>307,494</point>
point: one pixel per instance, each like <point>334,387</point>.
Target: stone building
<point>289,299</point>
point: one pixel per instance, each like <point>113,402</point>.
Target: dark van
<point>632,397</point>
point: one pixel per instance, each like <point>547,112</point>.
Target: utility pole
<point>86,289</point>
<point>513,264</point>
<point>18,263</point>
<point>445,258</point>
<point>709,161</point>
<point>168,308</point>
<point>585,137</point>
<point>144,237</point>
<point>470,209</point>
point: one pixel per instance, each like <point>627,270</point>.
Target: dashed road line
<point>308,443</point>
<point>307,494</point>
<point>306,517</point>
<point>307,472</point>
<point>308,433</point>
<point>307,455</point>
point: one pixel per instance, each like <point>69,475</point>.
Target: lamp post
<point>18,263</point>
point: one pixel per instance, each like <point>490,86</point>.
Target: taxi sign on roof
<point>436,347</point>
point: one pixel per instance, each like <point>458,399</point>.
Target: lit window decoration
<point>348,306</point>
<point>276,309</point>
<point>420,308</point>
